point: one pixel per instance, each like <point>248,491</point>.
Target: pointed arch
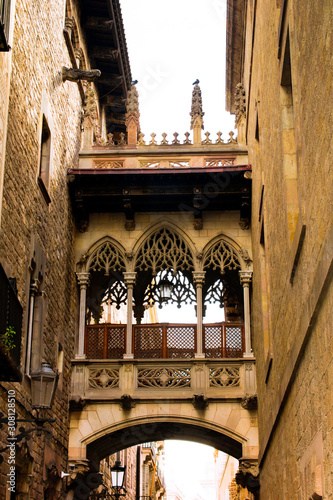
<point>222,254</point>
<point>105,255</point>
<point>164,246</point>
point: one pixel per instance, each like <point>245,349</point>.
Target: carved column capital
<point>245,277</point>
<point>199,277</point>
<point>129,278</point>
<point>83,279</point>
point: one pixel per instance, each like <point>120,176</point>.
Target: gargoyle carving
<point>199,401</point>
<point>127,402</point>
<point>76,75</point>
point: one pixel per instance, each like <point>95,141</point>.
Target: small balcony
<point>164,363</point>
<point>10,319</point>
<point>165,341</point>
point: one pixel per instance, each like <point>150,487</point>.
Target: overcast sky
<point>171,44</point>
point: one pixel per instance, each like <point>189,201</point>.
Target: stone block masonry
<point>36,89</point>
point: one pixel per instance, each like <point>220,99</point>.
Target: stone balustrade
<point>163,379</point>
<point>111,143</point>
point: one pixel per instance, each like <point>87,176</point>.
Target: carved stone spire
<point>240,102</point>
<point>132,117</point>
<point>240,112</point>
<point>196,108</point>
<point>196,114</point>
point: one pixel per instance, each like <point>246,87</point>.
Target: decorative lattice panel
<point>234,341</point>
<point>180,341</point>
<point>164,377</point>
<point>213,341</point>
<point>224,377</point>
<point>103,378</point>
<point>94,342</point>
<point>115,341</point>
<point>148,341</point>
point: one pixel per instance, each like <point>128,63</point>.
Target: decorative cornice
<point>234,51</point>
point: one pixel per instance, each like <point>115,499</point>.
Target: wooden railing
<point>165,341</point>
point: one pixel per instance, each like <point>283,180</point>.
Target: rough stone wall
<point>38,53</point>
<point>295,396</point>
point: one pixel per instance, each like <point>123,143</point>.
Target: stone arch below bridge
<point>99,430</point>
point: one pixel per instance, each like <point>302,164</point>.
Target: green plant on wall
<point>7,339</point>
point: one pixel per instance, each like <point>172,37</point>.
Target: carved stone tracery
<point>182,290</point>
<point>222,256</point>
<point>164,249</point>
<point>164,378</point>
<point>224,377</point>
<point>107,258</point>
<point>104,378</point>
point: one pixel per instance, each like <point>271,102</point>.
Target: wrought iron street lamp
<point>43,386</point>
<point>117,479</point>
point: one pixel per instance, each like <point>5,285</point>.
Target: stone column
<point>83,281</point>
<point>245,279</point>
<point>199,279</point>
<point>129,279</point>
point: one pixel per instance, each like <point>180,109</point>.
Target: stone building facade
<point>279,78</point>
<point>41,111</point>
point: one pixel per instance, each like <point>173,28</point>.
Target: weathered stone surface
<point>291,152</point>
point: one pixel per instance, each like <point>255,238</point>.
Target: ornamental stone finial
<point>240,102</point>
<point>196,107</point>
<point>132,106</point>
<point>132,117</point>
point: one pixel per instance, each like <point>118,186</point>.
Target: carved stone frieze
<point>220,162</point>
<point>108,164</point>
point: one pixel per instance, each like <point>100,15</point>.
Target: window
<point>289,141</point>
<point>45,157</point>
<point>4,25</point>
<point>37,310</point>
